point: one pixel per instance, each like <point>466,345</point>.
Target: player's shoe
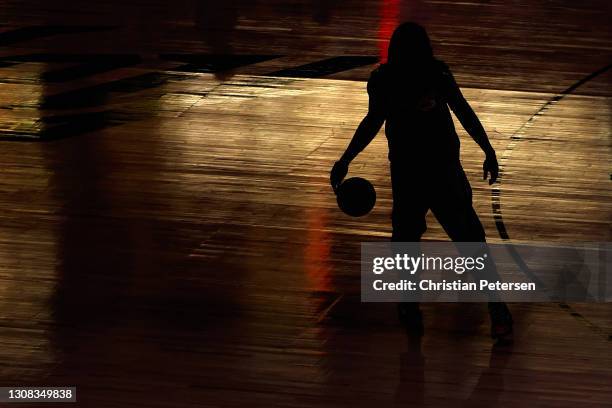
<point>410,316</point>
<point>501,322</point>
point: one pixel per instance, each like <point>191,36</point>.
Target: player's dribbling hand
<point>338,173</point>
<point>490,167</point>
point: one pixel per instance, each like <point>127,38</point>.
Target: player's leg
<point>452,206</point>
<point>410,205</point>
<point>408,221</point>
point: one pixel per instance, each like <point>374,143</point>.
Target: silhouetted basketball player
<point>412,93</point>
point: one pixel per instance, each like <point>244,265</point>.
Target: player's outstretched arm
<point>366,131</point>
<point>472,125</point>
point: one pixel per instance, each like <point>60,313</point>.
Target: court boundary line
<point>496,207</point>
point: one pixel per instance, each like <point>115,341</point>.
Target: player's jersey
<point>419,127</point>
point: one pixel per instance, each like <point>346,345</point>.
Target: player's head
<point>409,45</point>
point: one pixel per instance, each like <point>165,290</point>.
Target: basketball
<point>356,196</point>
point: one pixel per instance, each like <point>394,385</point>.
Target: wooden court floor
<point>168,236</point>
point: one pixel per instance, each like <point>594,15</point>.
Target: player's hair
<point>409,45</point>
